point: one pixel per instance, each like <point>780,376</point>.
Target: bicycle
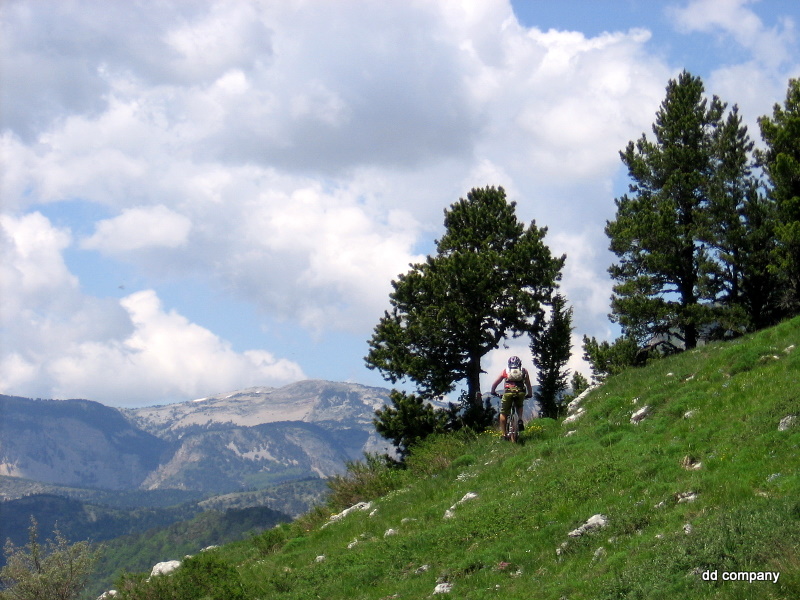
<point>512,422</point>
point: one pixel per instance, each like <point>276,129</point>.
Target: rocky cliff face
<point>310,401</point>
<point>247,439</point>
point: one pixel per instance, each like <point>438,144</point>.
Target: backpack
<point>515,374</point>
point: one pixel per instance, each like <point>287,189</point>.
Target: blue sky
<point>200,197</point>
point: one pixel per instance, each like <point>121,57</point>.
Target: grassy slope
<point>502,544</point>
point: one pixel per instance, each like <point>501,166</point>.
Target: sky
<point>198,197</point>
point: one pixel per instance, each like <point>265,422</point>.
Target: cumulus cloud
<point>770,46</point>
<point>757,82</point>
<point>166,357</point>
<point>298,155</point>
<point>140,227</point>
<point>57,342</point>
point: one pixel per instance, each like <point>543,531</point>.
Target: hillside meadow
<point>704,490</point>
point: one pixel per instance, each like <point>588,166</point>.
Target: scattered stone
<point>570,432</point>
<point>595,522</point>
<point>209,548</point>
<point>670,374</point>
<point>686,497</point>
<point>574,416</point>
<point>773,477</point>
<point>320,558</point>
<point>659,536</point>
<point>573,406</point>
<point>422,569</point>
<point>640,415</point>
<point>347,511</point>
<point>408,520</point>
<point>352,544</point>
<point>443,588</point>
<point>107,595</point>
<point>661,504</point>
<point>691,464</point>
<point>164,568</point>
<point>373,512</point>
<point>449,514</point>
<point>787,422</point>
<point>788,349</point>
<point>390,532</point>
<point>688,529</point>
<point>689,414</point>
<point>599,554</point>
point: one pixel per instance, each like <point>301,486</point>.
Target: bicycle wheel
<point>512,423</point>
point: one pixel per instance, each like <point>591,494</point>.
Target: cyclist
<point>517,387</point>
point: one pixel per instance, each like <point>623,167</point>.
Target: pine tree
<point>408,421</point>
<point>742,233</point>
<point>578,383</point>
<point>781,161</point>
<point>551,351</point>
<point>671,272</point>
<point>489,280</point>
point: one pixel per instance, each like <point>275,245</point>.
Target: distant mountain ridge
<point>240,440</point>
<point>307,401</point>
<point>69,442</point>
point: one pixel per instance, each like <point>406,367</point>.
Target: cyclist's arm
<point>496,383</point>
<point>528,385</point>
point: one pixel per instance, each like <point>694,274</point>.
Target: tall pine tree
<point>672,254</point>
<point>742,233</point>
<point>551,351</point>
<point>781,161</point>
<point>489,280</point>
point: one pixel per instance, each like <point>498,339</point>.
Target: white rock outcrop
<point>578,400</point>
<point>594,522</point>
<point>443,588</point>
<point>347,511</point>
<point>640,415</point>
<point>686,497</point>
<point>449,513</point>
<point>165,568</point>
<point>787,423</point>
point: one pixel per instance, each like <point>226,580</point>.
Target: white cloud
<point>140,227</point>
<point>166,357</point>
<point>299,155</point>
<point>769,46</point>
<point>758,81</point>
<point>57,342</point>
<point>32,263</point>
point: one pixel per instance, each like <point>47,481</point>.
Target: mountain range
<point>237,441</point>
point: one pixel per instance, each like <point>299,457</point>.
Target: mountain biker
<point>517,387</point>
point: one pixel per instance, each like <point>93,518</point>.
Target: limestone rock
<point>640,415</point>
<point>594,522</point>
<point>164,568</point>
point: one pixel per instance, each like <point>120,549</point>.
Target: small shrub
<point>364,480</point>
<point>271,540</point>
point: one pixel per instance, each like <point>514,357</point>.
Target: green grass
<point>502,544</point>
